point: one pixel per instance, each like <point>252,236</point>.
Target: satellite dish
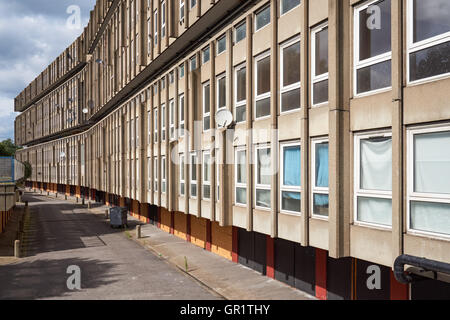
<point>85,110</point>
<point>224,118</point>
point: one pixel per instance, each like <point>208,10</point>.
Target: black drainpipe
<point>423,263</point>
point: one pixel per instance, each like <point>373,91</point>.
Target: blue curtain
<point>322,165</point>
<point>291,165</point>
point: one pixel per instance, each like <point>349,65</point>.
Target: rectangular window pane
<point>221,44</point>
<point>263,166</point>
<point>240,114</point>
<point>430,217</point>
<point>193,190</point>
<point>263,18</point>
<point>430,18</point>
<point>375,210</point>
<point>287,5</point>
<point>291,166</point>
<point>320,205</point>
<point>241,32</point>
<point>291,64</point>
<point>375,36</point>
<point>263,198</point>
<point>263,108</point>
<point>206,123</point>
<point>321,52</point>
<point>432,162</point>
<point>430,62</point>
<point>241,172</point>
<point>374,77</point>
<point>193,63</point>
<point>263,76</point>
<point>241,94</point>
<point>321,165</point>
<point>206,55</point>
<point>290,201</point>
<point>206,191</point>
<point>376,164</point>
<point>320,92</point>
<point>290,100</point>
<point>206,98</point>
<point>222,93</point>
<point>182,188</point>
<point>206,168</point>
<point>241,195</point>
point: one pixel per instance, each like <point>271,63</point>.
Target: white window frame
<point>204,182</point>
<point>155,18</point>
<point>193,164</point>
<point>172,119</point>
<point>357,64</point>
<point>163,175</point>
<point>281,8</point>
<point>182,175</point>
<point>181,114</point>
<point>182,11</point>
<point>242,103</point>
<point>414,47</point>
<point>155,122</point>
<point>181,70</point>
<point>163,122</point>
<point>149,168</point>
<point>263,96</point>
<point>258,12</point>
<point>163,19</point>
<point>291,87</point>
<point>155,174</point>
<point>314,78</point>
<point>207,48</point>
<point>193,3</point>
<point>242,23</point>
<point>357,191</point>
<point>193,59</point>
<point>314,189</point>
<point>218,78</point>
<point>258,186</point>
<point>417,196</point>
<point>224,36</point>
<point>284,188</point>
<point>237,184</point>
<point>206,114</point>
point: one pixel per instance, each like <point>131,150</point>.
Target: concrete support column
<point>249,122</point>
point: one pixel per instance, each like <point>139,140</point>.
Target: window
<point>290,76</point>
<point>206,177</point>
<point>262,86</point>
<point>288,5</point>
<point>263,177</point>
<point>193,3</point>
<point>221,92</point>
<point>137,132</point>
<point>156,126</point>
<point>181,114</point>
<point>320,65</point>
<point>149,168</point>
<point>290,176</point>
<point>163,121</point>
<point>428,39</point>
<point>240,94</point>
<point>155,19</point>
<point>217,168</point>
<point>172,118</point>
<point>193,177</point>
<point>132,52</point>
<point>373,179</point>
<point>205,55</point>
<point>163,83</point>
<point>193,63</point>
<point>319,178</point>
<point>132,134</point>
<point>163,19</point>
<point>429,180</point>
<point>240,32</point>
<point>182,179</point>
<point>206,107</point>
<point>373,54</point>
<point>181,11</point>
<point>155,172</point>
<point>240,177</point>
<point>221,44</point>
<point>171,77</point>
<point>181,70</point>
<point>262,18</point>
<point>137,49</point>
<point>163,174</point>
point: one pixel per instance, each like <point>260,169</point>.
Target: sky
<point>32,34</point>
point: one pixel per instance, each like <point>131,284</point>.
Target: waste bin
<point>118,217</point>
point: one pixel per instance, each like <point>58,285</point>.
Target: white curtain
<point>375,210</point>
<point>432,162</point>
<point>376,164</point>
<point>431,217</point>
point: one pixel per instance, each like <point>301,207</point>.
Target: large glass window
<point>320,200</point>
<point>240,177</point>
<point>155,174</point>
<point>193,171</point>
<point>172,118</point>
<point>155,126</point>
<point>263,177</point>
<point>163,19</point>
<point>288,5</point>
<point>221,92</point>
<point>428,39</point>
<point>163,174</point>
<point>240,95</point>
<point>163,122</point>
<point>372,46</point>
<point>155,19</point>
<point>181,114</point>
<point>262,86</point>
<point>206,107</point>
<point>182,177</point>
<point>373,179</point>
<point>262,18</point>
<point>290,76</point>
<point>206,176</point>
<point>320,64</point>
<point>429,180</point>
<point>290,184</point>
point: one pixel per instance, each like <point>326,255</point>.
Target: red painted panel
<point>321,274</point>
<point>399,291</point>
<point>270,257</point>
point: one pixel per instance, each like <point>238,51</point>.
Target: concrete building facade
<point>333,167</point>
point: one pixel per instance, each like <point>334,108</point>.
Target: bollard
<point>106,213</point>
<point>138,232</point>
<point>17,248</point>
<point>65,197</point>
<point>76,199</point>
<point>82,201</point>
